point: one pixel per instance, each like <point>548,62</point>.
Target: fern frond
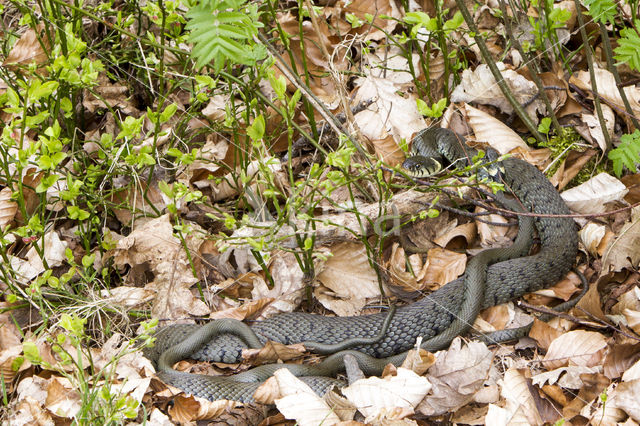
<point>223,31</point>
<point>602,10</point>
<point>628,50</point>
<point>627,154</point>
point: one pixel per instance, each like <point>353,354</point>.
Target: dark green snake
<point>438,317</point>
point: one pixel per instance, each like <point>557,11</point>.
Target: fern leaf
<point>627,154</point>
<point>628,50</point>
<point>602,10</point>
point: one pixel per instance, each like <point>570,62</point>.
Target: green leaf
<point>627,154</point>
<point>602,10</point>
<point>628,50</point>
<point>257,128</point>
<point>31,352</point>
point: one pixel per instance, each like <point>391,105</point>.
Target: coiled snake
<point>437,318</point>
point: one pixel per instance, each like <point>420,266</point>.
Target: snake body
<point>435,317</point>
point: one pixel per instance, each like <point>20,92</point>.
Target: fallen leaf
<point>444,266</point>
<point>376,397</point>
<point>8,208</point>
<point>498,135</point>
<point>624,251</point>
<point>515,390</point>
<point>300,403</point>
<point>592,195</point>
<point>577,347</point>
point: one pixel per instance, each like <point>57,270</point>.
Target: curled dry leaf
<point>418,361</point>
<point>493,131</point>
<point>444,266</point>
<point>153,248</point>
<point>608,89</point>
<point>8,208</point>
<point>624,251</point>
<point>28,49</point>
<point>272,352</point>
<point>592,195</point>
<point>591,235</point>
<point>456,376</point>
<point>376,397</point>
<point>515,390</point>
<point>480,86</point>
<point>391,113</point>
<point>593,123</point>
<point>577,347</point>
<point>626,398</point>
<point>287,285</point>
<point>300,403</point>
<point>466,231</point>
<point>350,277</point>
<point>408,278</point>
<point>188,409</point>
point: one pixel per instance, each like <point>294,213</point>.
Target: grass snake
<point>492,277</point>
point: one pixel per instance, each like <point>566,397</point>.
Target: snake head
<point>420,166</point>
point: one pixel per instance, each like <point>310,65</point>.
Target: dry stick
<point>606,324</point>
<point>532,72</point>
<point>592,75</point>
<point>606,43</point>
<point>496,72</point>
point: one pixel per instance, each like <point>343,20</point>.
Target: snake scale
<point>435,317</point>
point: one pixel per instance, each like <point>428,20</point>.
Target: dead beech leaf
<point>272,352</point>
<point>418,361</point>
<point>479,86</point>
<point>624,251</point>
<point>153,248</point>
<point>375,397</point>
<point>349,264</point>
<point>619,359</point>
<point>300,403</point>
<point>444,266</point>
<point>565,377</point>
<point>591,236</point>
<point>577,347</point>
<point>593,123</point>
<point>8,208</point>
<point>592,195</point>
<point>62,399</point>
<point>543,333</point>
<point>244,311</point>
<point>391,113</point>
<point>466,231</point>
<point>128,297</point>
<point>515,389</point>
<point>626,397</point>
<point>379,27</point>
<point>592,387</point>
<point>456,376</point>
<point>493,131</point>
<point>502,417</point>
<point>607,89</point>
<point>187,409</point>
<point>632,373</point>
<point>287,286</point>
<point>28,49</point>
<point>408,279</point>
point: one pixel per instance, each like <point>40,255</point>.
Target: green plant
<point>627,154</point>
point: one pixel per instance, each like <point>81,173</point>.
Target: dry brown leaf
<point>577,347</point>
<point>379,28</point>
<point>407,278</point>
<point>624,251</point>
<point>349,264</point>
<point>376,398</point>
<point>619,359</point>
<point>187,409</point>
<point>8,208</point>
<point>496,316</point>
<point>501,416</point>
<point>607,89</point>
<point>300,403</point>
<point>28,49</point>
<point>591,235</point>
<point>271,352</point>
<point>543,333</point>
<point>128,297</point>
<point>491,235</point>
<point>626,398</point>
<point>593,385</point>
<point>592,195</point>
<point>444,266</point>
<point>246,310</point>
<point>480,86</point>
<point>418,361</point>
<point>153,248</point>
<point>390,114</point>
<point>515,389</point>
<point>62,400</point>
<point>493,131</point>
<point>595,129</point>
<point>466,231</point>
<point>457,375</point>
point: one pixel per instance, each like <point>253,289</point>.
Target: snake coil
<point>493,280</point>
